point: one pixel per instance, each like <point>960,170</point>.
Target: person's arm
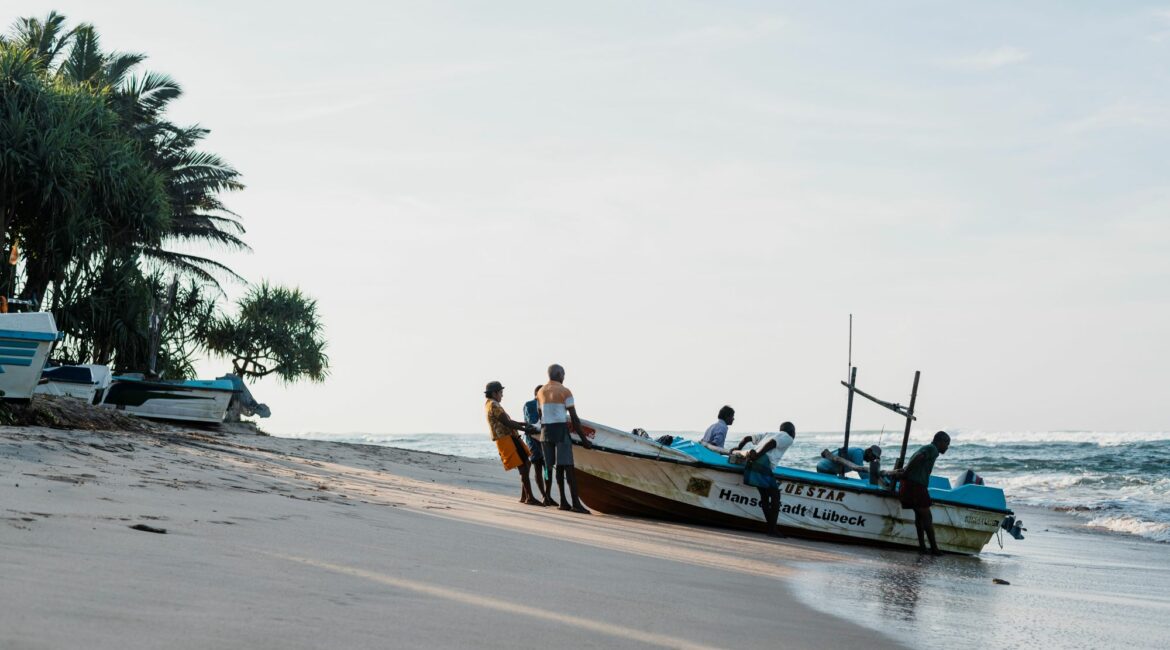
<point>577,425</point>
<point>746,439</point>
<point>762,449</point>
<point>514,425</point>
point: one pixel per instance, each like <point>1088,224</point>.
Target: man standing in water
<point>556,410</point>
<point>532,417</point>
<point>505,433</point>
<point>914,494</point>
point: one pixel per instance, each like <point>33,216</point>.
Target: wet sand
<point>1070,587</point>
<point>279,543</point>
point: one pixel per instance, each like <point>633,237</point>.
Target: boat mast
<point>909,419</point>
<point>852,386</point>
<point>850,372</point>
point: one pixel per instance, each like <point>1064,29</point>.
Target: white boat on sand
<point>193,400</point>
<point>86,382</point>
<point>627,474</point>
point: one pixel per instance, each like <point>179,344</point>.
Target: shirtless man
<point>557,409</point>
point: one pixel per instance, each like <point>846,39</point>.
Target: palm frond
<point>85,62</point>
<point>119,64</point>
<point>202,268</point>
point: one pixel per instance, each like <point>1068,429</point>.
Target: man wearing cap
<point>504,431</point>
<point>557,409</point>
<point>856,455</point>
<point>914,492</point>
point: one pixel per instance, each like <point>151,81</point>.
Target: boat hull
<point>625,482</point>
<point>205,401</point>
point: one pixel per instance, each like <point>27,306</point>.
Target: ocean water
<point>1115,482</point>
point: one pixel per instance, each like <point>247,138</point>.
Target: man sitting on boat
<point>716,434</point>
<point>855,455</point>
<point>913,493</point>
<point>762,460</point>
<point>505,433</point>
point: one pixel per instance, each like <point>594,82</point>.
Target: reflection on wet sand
<point>1065,588</point>
<point>898,589</point>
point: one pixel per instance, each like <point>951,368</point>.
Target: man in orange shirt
<point>557,409</point>
<point>504,430</point>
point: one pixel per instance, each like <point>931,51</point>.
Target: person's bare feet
<point>582,510</point>
<point>564,506</point>
<point>532,502</point>
<point>548,501</point>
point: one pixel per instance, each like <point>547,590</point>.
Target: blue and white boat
<point>192,400</point>
<point>627,474</point>
<point>25,342</point>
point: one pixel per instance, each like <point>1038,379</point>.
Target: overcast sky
<point>682,202</point>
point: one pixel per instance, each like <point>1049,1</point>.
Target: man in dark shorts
<point>556,410</point>
<point>532,417</point>
<point>914,494</point>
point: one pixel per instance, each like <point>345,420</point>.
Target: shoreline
<point>287,542</point>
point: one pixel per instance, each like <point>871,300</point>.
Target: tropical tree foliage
<point>276,331</point>
<point>98,187</point>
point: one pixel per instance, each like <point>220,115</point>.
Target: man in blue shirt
<point>532,416</point>
<point>716,434</point>
<point>855,455</point>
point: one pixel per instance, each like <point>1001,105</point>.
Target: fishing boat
<point>193,400</point>
<point>85,381</point>
<point>629,474</point>
<point>25,341</point>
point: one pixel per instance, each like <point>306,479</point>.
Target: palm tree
<point>192,179</point>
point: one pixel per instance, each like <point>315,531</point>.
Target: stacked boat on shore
<point>26,340</point>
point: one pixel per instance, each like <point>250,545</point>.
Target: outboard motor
<point>1013,526</point>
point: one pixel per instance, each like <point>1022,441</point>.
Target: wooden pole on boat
<point>909,420</point>
<point>848,411</point>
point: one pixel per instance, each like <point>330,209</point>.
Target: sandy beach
<point>281,543</point>
<point>287,543</point>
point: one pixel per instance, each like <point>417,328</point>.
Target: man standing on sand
<point>532,417</point>
<point>762,461</point>
<point>716,434</point>
<point>556,410</point>
<point>914,494</point>
<point>504,432</point>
